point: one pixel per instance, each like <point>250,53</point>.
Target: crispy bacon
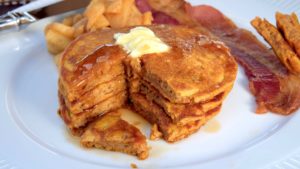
<point>274,88</point>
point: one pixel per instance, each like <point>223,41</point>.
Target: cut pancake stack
<point>92,87</point>
<point>179,91</point>
<point>92,81</point>
<point>112,133</point>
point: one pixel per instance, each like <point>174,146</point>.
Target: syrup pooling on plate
<point>212,126</point>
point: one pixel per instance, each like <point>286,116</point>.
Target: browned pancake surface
<point>171,131</point>
<point>112,133</point>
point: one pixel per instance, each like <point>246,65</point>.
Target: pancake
<point>188,75</point>
<point>73,93</point>
<point>90,56</point>
<point>178,90</point>
<point>88,66</point>
<point>134,85</point>
<point>75,121</point>
<point>194,69</point>
<point>100,93</point>
<point>182,113</point>
<point>111,133</point>
<point>172,132</point>
<point>132,66</point>
<point>92,71</point>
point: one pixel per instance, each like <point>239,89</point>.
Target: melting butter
<point>140,41</point>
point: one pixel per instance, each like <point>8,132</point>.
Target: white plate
<point>33,135</point>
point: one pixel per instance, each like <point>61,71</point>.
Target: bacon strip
<point>274,88</point>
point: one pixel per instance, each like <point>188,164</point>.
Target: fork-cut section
<point>112,133</point>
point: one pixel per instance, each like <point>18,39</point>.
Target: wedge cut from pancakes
<point>112,133</point>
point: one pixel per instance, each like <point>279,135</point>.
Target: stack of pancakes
<point>177,91</point>
<point>182,89</point>
<point>92,80</point>
<point>92,86</point>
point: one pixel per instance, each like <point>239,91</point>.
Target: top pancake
<point>87,60</point>
<point>193,69</point>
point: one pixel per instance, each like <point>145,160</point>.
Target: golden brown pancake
<point>178,90</point>
<point>112,133</point>
<point>171,131</point>
<point>72,93</point>
<point>132,66</point>
<point>191,54</point>
<point>100,93</point>
<point>92,79</point>
<point>79,120</point>
<point>194,69</point>
<point>91,71</point>
<point>181,113</point>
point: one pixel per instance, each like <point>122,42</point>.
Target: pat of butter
<point>140,41</point>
